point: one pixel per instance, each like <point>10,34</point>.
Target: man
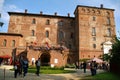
<point>25,66</point>
<point>16,67</point>
<point>84,66</point>
<point>37,66</point>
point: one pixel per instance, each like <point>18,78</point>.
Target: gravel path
<point>9,75</point>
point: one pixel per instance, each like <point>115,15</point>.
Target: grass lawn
<point>102,76</point>
<point>48,70</point>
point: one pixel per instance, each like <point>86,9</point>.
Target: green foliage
<point>116,51</point>
<point>69,66</point>
<point>106,57</point>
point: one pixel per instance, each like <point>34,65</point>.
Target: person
<point>37,66</point>
<point>84,66</point>
<point>95,67</point>
<point>92,68</point>
<point>16,67</point>
<point>25,66</point>
<point>1,59</point>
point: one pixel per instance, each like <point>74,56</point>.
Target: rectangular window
<point>93,31</point>
<point>94,46</point>
<point>94,38</point>
<point>108,32</point>
<point>94,18</point>
<point>108,21</point>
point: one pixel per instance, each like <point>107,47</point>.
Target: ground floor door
<point>45,59</point>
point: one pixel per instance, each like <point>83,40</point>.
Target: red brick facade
<point>81,37</point>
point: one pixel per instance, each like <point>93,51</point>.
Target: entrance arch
<point>45,59</point>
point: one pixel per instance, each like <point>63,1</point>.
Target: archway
<point>45,59</point>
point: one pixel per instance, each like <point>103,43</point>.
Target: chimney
<point>68,14</point>
<point>41,12</point>
<point>25,10</point>
<point>55,13</point>
<point>101,6</point>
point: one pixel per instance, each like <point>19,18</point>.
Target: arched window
<point>4,42</point>
<point>13,43</point>
<point>93,31</point>
<point>33,21</point>
<point>47,34</point>
<point>61,35</point>
<point>108,20</point>
<point>33,33</point>
<point>48,22</point>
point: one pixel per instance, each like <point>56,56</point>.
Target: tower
<point>94,26</point>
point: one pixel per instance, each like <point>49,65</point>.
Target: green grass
<point>102,76</point>
<point>49,70</point>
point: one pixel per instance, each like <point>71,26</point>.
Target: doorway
<point>45,59</point>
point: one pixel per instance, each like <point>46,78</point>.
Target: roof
<point>94,7</point>
<point>11,34</point>
<point>41,15</point>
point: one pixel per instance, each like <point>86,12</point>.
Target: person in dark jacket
<point>37,66</point>
<point>16,67</point>
<point>25,66</point>
<point>84,66</point>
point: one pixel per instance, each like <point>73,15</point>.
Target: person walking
<point>37,66</point>
<point>84,66</point>
<point>92,68</point>
<point>25,66</point>
<point>16,67</point>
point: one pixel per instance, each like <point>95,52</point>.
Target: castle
<point>59,40</point>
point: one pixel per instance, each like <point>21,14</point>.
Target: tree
<point>115,52</point>
<point>115,59</point>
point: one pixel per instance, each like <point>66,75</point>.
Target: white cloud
<point>5,16</point>
<point>1,5</point>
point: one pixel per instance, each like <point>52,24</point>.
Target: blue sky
<point>62,7</point>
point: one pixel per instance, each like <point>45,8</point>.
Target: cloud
<point>1,4</point>
<point>5,17</point>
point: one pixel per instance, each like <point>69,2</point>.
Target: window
<point>33,33</point>
<point>94,46</point>
<point>60,23</point>
<point>108,32</point>
<point>13,43</point>
<point>47,34</point>
<point>71,36</point>
<point>94,18</point>
<point>61,35</point>
<point>108,20</point>
<point>88,56</point>
<point>70,46</point>
<point>4,42</point>
<point>71,23</point>
<point>93,31</point>
<point>93,11</point>
<point>33,21</point>
<point>48,22</point>
<point>94,38</point>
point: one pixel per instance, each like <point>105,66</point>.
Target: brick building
<point>59,40</point>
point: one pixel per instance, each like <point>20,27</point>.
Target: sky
<point>62,7</point>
